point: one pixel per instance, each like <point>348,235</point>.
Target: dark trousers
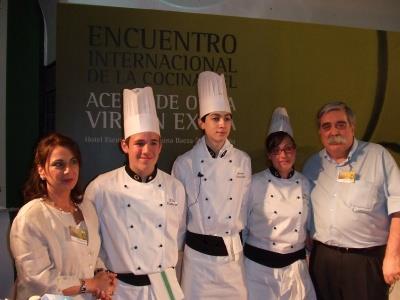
<point>341,274</point>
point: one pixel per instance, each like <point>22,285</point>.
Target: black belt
<point>272,259</point>
<point>207,244</point>
<point>132,279</point>
<point>368,250</point>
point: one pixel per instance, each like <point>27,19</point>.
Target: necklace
<point>72,209</point>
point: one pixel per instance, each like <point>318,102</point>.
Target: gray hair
<point>335,106</point>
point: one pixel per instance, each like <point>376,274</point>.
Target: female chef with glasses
<point>278,213</point>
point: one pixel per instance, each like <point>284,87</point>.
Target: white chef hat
<point>140,111</point>
<point>212,93</point>
<point>280,121</point>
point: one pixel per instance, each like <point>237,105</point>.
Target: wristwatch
<point>83,287</point>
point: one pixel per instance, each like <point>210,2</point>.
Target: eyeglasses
<point>287,149</point>
<point>340,125</point>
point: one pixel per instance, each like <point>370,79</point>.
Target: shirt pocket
<point>360,196</point>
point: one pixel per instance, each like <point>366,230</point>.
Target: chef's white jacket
<point>142,225</point>
<point>216,190</point>
<point>278,218</point>
<point>278,212</point>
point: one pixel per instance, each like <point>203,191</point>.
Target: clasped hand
<point>105,283</point>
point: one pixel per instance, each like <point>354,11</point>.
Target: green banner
<point>101,50</point>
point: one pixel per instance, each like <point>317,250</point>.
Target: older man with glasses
<point>356,208</point>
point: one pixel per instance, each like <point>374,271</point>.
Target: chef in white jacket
<point>216,177</point>
<point>141,209</point>
<point>278,213</point>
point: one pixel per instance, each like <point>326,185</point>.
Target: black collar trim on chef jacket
<point>213,154</point>
<point>211,151</point>
<point>136,177</point>
<point>276,173</point>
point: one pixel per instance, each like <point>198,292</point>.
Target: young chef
<point>278,212</point>
<point>216,177</point>
<point>141,209</point>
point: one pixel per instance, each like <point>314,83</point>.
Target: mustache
<point>336,140</point>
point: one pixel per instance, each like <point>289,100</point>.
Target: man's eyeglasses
<point>287,149</point>
<point>340,125</point>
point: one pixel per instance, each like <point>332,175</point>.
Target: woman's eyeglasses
<point>287,149</point>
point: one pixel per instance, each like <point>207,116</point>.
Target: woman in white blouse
<point>278,212</point>
<point>54,238</point>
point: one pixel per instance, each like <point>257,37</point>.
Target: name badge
<point>346,176</point>
<point>78,235</point>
